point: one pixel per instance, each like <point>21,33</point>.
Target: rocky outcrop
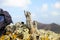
<point>53,27</point>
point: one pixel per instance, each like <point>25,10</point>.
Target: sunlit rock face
<point>28,31</point>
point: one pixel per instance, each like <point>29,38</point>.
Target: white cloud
<point>44,7</point>
<point>56,5</point>
<point>17,3</point>
<point>55,14</point>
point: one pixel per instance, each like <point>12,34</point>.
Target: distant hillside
<point>53,27</point>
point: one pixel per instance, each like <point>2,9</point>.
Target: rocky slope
<point>53,27</point>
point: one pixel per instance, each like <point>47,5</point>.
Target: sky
<point>43,11</point>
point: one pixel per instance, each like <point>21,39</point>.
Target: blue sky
<point>44,11</point>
